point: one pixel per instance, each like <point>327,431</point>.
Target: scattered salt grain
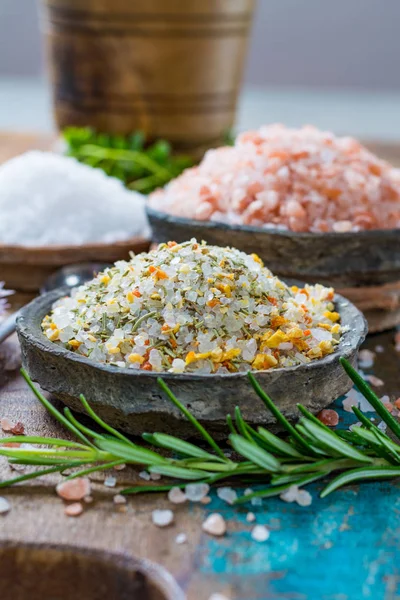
<point>290,495</point>
<point>3,295</point>
<point>196,491</point>
<point>176,496</point>
<point>227,494</point>
<point>366,359</point>
<point>119,499</point>
<point>88,499</point>
<point>162,518</point>
<point>260,533</point>
<point>74,510</point>
<point>304,498</point>
<point>205,500</point>
<point>74,489</point>
<point>5,506</point>
<point>247,492</point>
<point>218,596</point>
<point>382,426</point>
<point>72,203</point>
<point>144,475</point>
<point>379,349</point>
<point>119,467</point>
<point>181,538</point>
<point>214,525</point>
<point>155,476</point>
<point>110,481</point>
<point>375,381</point>
<point>256,501</point>
<point>357,424</point>
<point>328,417</point>
<point>6,425</point>
<point>250,517</point>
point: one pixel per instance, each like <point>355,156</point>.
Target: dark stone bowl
<point>39,571</point>
<point>339,259</point>
<point>134,402</point>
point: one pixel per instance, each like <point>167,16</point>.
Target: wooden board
<point>345,546</point>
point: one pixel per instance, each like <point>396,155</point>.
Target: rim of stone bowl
<point>29,327</point>
<point>368,234</point>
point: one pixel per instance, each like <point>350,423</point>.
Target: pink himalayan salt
<point>298,179</point>
<point>214,525</point>
<point>328,417</point>
<point>74,489</point>
<point>74,510</point>
<point>6,425</point>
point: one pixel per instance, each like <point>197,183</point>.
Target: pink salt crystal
<point>88,499</point>
<point>74,489</point>
<point>299,179</point>
<point>74,510</point>
<point>18,428</point>
<point>6,425</point>
<point>389,406</point>
<point>205,500</point>
<point>176,496</point>
<point>214,525</point>
<point>329,417</point>
<point>375,381</point>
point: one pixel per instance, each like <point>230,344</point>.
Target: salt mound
<point>195,308</point>
<point>48,199</point>
<point>296,179</point>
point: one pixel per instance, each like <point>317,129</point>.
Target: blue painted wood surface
<point>343,547</point>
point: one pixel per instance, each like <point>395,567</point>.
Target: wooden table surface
<point>340,548</point>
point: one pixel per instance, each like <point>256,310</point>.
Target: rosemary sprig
<point>310,452</point>
<point>141,167</point>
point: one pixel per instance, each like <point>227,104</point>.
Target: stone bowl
<point>133,401</point>
<point>339,259</point>
<point>39,571</point>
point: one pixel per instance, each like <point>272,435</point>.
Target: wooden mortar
<point>170,69</point>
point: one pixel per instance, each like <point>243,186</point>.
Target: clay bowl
<point>25,268</point>
<point>133,401</point>
<point>339,259</point>
<point>38,571</point>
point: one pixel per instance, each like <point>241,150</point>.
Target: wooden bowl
<point>339,259</point>
<point>133,401</point>
<point>44,571</point>
<point>25,268</point>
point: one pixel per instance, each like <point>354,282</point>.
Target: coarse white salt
<point>162,518</point>
<point>260,533</point>
<point>366,359</point>
<point>176,496</point>
<point>181,538</point>
<point>290,495</point>
<point>5,506</point>
<point>196,491</point>
<point>110,481</point>
<point>144,475</point>
<point>304,498</point>
<point>155,476</point>
<point>214,525</point>
<point>227,494</point>
<point>48,199</point>
<point>250,517</point>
